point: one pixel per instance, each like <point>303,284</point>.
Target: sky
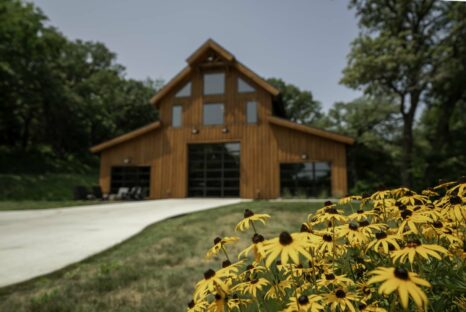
<point>304,42</point>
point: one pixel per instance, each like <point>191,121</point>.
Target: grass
<point>43,204</point>
<point>154,271</point>
<point>43,187</point>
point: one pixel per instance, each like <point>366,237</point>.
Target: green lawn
<point>153,271</point>
<point>44,204</point>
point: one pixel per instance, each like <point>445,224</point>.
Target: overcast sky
<point>304,42</point>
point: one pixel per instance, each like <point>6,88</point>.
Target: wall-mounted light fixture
<point>127,160</point>
<point>225,130</point>
<point>303,156</point>
<point>194,131</point>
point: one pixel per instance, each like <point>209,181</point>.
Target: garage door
<point>311,179</point>
<point>214,170</point>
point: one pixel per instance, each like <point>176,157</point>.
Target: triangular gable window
<point>185,91</point>
<point>244,87</point>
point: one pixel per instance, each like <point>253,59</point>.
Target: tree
<point>394,55</point>
<point>374,122</point>
<point>300,105</point>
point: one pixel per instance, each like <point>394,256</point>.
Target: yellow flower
<point>340,299</point>
<point>335,280</point>
<point>326,244</point>
<point>286,246</point>
<point>330,214</point>
<point>218,305</point>
<point>364,307</point>
<point>252,286</point>
<point>361,214</point>
<point>410,219</point>
<point>212,282</point>
<point>249,218</point>
<point>353,233</point>
<point>278,290</point>
<point>384,241</point>
<point>349,198</point>
<point>454,207</point>
<point>415,247</point>
<point>256,247</point>
<point>219,243</point>
<point>304,304</point>
<point>197,306</point>
<point>403,281</point>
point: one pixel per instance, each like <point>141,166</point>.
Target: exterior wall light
<point>194,131</point>
<point>304,156</point>
<point>225,130</point>
<point>127,160</point>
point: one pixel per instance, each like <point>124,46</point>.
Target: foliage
<point>300,105</point>
<point>391,250</point>
<point>46,79</point>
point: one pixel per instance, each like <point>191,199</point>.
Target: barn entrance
<point>214,170</point>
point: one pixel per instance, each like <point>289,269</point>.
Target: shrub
<point>387,251</point>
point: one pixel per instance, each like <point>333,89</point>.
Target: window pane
<point>244,87</point>
<point>251,112</point>
<point>176,116</point>
<point>214,83</point>
<point>306,179</point>
<point>213,114</point>
<point>185,91</point>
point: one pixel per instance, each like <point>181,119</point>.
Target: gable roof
<point>125,137</point>
<point>211,45</point>
<point>311,130</point>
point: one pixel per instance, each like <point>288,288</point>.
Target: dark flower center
<point>401,274</point>
<point>303,300</point>
<point>257,238</point>
<point>217,240</point>
<point>437,224</point>
<point>413,243</point>
<point>327,238</point>
<point>360,211</point>
<point>331,210</point>
<point>328,203</point>
<point>285,238</point>
<point>191,304</point>
<point>353,226</point>
<point>401,207</point>
<point>406,213</point>
<point>380,235</point>
<point>391,247</point>
<point>455,200</point>
<point>279,262</point>
<point>364,222</point>
<point>248,213</point>
<point>362,306</point>
<point>330,276</point>
<point>254,281</point>
<point>430,206</point>
<point>226,263</point>
<point>340,294</point>
<point>218,297</point>
<point>250,267</point>
<point>304,228</point>
<point>209,274</point>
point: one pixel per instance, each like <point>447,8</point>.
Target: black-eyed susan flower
<point>353,233</point>
<point>249,218</point>
<point>361,214</point>
<point>287,246</point>
<point>368,228</point>
<point>442,230</point>
<point>454,207</point>
<point>330,278</point>
<point>303,303</point>
<point>278,289</point>
<point>369,307</point>
<point>330,214</point>
<point>405,282</point>
<point>251,286</point>
<point>197,305</point>
<point>256,248</point>
<point>340,300</point>
<point>328,245</point>
<point>415,247</point>
<point>213,282</point>
<point>409,221</point>
<point>411,198</point>
<point>219,244</point>
<point>384,242</point>
<point>348,199</point>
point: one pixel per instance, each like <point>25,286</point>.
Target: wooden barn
<point>223,133</point>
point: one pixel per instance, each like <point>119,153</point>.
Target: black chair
<point>80,192</point>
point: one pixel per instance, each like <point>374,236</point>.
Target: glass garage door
<point>129,177</point>
<point>312,179</point>
<point>214,170</point>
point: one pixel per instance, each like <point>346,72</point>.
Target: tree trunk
<point>407,158</point>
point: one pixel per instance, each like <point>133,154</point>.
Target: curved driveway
<point>37,242</point>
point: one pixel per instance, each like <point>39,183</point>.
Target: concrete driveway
<point>37,242</point>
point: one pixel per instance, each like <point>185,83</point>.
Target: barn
<point>222,132</point>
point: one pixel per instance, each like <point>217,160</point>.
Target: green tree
<point>300,105</point>
<point>394,55</point>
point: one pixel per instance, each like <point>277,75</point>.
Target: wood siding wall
<point>263,146</point>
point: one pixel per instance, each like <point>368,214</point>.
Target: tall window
<point>177,111</point>
<point>312,179</point>
<point>214,83</point>
<point>213,114</point>
<point>185,91</point>
<point>251,112</point>
<point>244,87</point>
